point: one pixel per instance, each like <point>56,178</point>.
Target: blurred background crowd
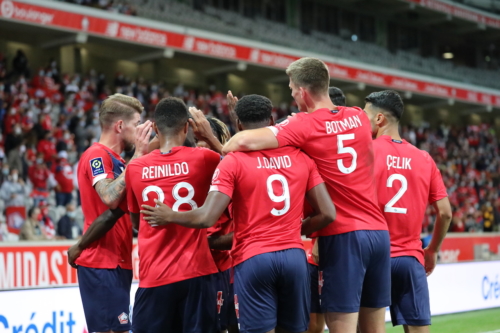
<point>47,119</point>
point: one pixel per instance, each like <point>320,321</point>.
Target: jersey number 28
<point>175,194</point>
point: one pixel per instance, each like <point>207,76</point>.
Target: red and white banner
<point>462,247</point>
<point>45,264</point>
<point>456,10</point>
<point>127,30</point>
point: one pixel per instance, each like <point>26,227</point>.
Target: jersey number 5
<point>279,198</point>
<point>349,150</point>
<point>175,194</point>
<point>389,208</point>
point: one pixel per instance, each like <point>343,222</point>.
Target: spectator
<point>67,226</point>
<point>39,175</point>
<point>46,221</point>
<point>488,217</point>
<point>32,229</point>
<point>13,190</point>
<point>15,158</point>
<point>47,148</point>
<point>64,179</point>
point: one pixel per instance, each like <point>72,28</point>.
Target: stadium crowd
<point>48,119</point>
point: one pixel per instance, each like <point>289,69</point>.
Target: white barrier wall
<point>454,288</point>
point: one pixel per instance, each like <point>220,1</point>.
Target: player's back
<point>340,143</point>
<point>180,179</point>
<point>407,180</point>
<point>268,198</point>
<point>114,249</point>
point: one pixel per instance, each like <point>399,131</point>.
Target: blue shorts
<point>356,271</point>
<point>410,293</point>
<point>186,306</point>
<point>106,298</point>
<point>273,290</point>
<point>225,300</point>
<point>315,292</point>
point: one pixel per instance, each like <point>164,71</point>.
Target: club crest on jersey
<point>123,318</point>
<point>220,301</point>
<point>96,166</point>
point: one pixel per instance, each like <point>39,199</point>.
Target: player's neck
<point>111,141</point>
<point>392,131</point>
<point>322,103</point>
<point>169,142</point>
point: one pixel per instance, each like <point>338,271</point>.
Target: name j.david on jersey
<point>165,170</point>
<point>278,162</point>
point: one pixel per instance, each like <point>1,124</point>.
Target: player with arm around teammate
<point>354,251</point>
<point>407,181</point>
<point>267,190</point>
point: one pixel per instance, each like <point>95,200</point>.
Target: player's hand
<point>430,260</point>
<point>201,126</point>
<point>73,254</point>
<point>231,101</point>
<point>158,215</point>
<point>315,252</point>
<point>142,136</point>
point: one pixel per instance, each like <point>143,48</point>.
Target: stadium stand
<point>259,28</point>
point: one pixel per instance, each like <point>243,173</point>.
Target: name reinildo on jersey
<point>166,170</point>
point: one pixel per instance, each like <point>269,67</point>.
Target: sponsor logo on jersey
<point>97,166</point>
<point>123,318</point>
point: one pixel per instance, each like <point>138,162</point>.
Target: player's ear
<point>238,123</point>
<point>271,121</point>
<point>186,128</point>
<point>119,126</point>
<point>155,129</point>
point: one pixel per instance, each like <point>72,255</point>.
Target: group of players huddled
<point>219,229</point>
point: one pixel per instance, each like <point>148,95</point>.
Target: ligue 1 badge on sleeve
<point>96,166</point>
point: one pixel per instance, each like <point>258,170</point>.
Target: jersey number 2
<point>279,198</point>
<point>389,208</point>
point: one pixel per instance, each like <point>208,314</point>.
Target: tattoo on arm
<point>111,191</point>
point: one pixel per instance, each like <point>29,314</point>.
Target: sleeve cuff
<point>99,178</point>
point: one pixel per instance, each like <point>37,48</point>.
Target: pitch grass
<point>483,321</point>
<point>467,322</point>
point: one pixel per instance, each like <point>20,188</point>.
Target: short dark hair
<point>253,109</point>
<point>336,96</point>
<point>171,115</point>
<point>389,101</point>
<point>309,73</point>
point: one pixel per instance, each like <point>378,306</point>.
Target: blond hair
<point>310,73</point>
<point>118,107</point>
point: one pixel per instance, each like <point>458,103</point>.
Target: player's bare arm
<point>97,229</point>
<point>250,140</point>
<point>324,209</point>
<point>222,242</point>
<point>112,191</point>
<point>203,131</point>
<point>200,218</point>
<point>441,226</point>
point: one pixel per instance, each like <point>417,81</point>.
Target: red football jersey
<point>340,143</point>
<point>407,181</point>
<point>223,226</point>
<point>181,179</point>
<point>268,191</point>
<point>115,248</point>
<point>64,176</point>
